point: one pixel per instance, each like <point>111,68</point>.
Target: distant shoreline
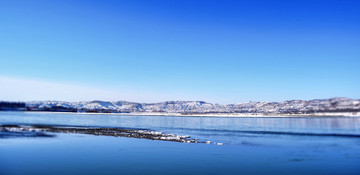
<point>221,115</point>
<point>337,107</point>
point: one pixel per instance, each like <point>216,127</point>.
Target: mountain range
<point>201,107</point>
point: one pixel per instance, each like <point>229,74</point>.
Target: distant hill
<point>196,107</point>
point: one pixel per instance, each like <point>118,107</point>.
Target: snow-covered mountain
<point>188,107</point>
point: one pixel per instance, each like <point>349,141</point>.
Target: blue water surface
<point>324,145</point>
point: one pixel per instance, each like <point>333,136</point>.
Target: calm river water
<point>324,145</point>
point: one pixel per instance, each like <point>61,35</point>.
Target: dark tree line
<point>11,105</point>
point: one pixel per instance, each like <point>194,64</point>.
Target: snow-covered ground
<point>317,107</point>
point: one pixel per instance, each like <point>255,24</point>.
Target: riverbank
<point>230,115</point>
<point>42,130</point>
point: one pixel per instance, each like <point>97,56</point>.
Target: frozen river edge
<point>235,115</point>
<point>7,131</point>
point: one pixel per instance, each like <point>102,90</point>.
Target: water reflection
<point>251,146</point>
<point>321,124</point>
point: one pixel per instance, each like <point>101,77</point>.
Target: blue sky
<point>217,51</point>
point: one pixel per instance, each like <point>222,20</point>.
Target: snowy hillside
<point>188,107</point>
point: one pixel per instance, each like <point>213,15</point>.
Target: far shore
<point>232,115</point>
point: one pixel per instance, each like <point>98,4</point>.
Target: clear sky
<point>147,51</point>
